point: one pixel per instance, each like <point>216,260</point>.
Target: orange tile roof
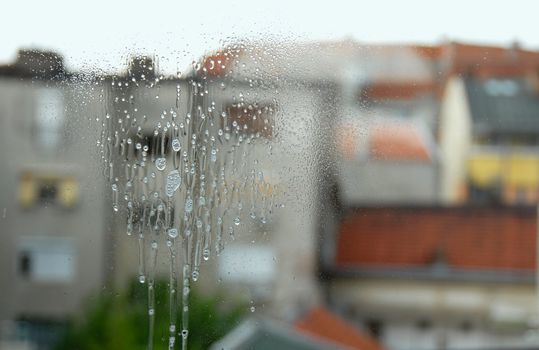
<point>429,52</point>
<point>466,57</point>
<point>321,323</point>
<point>398,90</point>
<point>468,238</point>
<point>397,141</point>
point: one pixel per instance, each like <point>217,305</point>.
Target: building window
<point>375,327</point>
<point>424,324</point>
<point>49,118</point>
<point>47,259</point>
<point>25,263</point>
<point>466,326</point>
<point>252,119</point>
<point>250,265</point>
<point>45,190</point>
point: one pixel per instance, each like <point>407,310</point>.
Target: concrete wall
<point>454,314</point>
<point>58,238</point>
<point>388,182</point>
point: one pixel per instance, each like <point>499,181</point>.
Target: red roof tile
<point>397,141</point>
<point>429,52</point>
<point>398,90</point>
<point>467,58</point>
<point>494,239</point>
<point>321,323</point>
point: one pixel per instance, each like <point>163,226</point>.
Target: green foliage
<point>121,321</point>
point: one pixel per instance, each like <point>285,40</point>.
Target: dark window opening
<point>466,326</point>
<point>375,327</point>
<point>47,192</point>
<point>491,195</point>
<point>153,145</point>
<point>25,264</point>
<point>252,119</point>
<point>424,324</point>
<point>43,334</point>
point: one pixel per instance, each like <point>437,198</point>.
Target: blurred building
<point>479,102</point>
<point>490,140</point>
<point>273,257</point>
<point>413,126</point>
<point>388,147</point>
<point>53,254</point>
<point>418,275</point>
<point>437,278</point>
<point>386,162</point>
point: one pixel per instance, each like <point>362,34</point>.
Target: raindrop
<point>206,254</point>
<point>176,146</point>
<point>174,181</point>
<point>172,232</point>
<point>161,163</point>
<point>189,205</point>
<point>205,176</point>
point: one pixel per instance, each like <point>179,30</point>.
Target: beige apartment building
<point>53,218</point>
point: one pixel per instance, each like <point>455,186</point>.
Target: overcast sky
<point>104,33</point>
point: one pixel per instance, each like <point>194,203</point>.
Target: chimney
<point>40,64</point>
<point>142,68</point>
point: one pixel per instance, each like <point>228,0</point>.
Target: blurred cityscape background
<point>407,217</point>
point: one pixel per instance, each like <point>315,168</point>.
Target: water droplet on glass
<point>176,146</point>
<point>161,163</point>
<point>206,254</point>
<point>172,232</point>
<point>189,205</point>
<point>142,278</point>
<point>237,221</point>
<point>174,181</point>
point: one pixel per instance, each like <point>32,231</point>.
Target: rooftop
<point>398,141</point>
<point>321,323</point>
<point>503,104</point>
<point>455,240</point>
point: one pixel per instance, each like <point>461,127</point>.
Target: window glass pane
<point>269,175</point>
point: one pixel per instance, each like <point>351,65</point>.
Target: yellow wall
<point>514,171</point>
<point>30,184</point>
